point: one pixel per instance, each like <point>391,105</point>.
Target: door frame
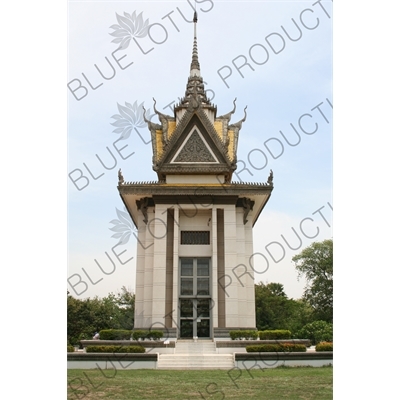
<point>194,297</point>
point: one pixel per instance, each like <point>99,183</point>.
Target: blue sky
<point>286,85</point>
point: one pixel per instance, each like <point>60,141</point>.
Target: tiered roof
<point>194,141</point>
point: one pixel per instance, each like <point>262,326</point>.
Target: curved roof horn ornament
<point>239,123</point>
<point>229,114</point>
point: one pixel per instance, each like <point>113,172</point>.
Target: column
<point>175,269</point>
<point>140,264</point>
<point>169,268</point>
<point>214,275</point>
<point>159,265</point>
<point>242,268</point>
<point>231,272</point>
<point>221,268</point>
<point>252,260</point>
<point>148,270</point>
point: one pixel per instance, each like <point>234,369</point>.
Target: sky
<point>274,57</point>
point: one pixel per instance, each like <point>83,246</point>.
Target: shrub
<point>115,349</point>
<point>70,349</point>
<point>317,331</point>
<point>115,334</point>
<point>141,334</point>
<point>324,346</point>
<point>276,347</point>
<point>155,335</point>
<point>136,335</point>
<point>244,334</point>
<point>275,334</point>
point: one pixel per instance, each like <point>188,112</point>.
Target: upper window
<point>195,237</point>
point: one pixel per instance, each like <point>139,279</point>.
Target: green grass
<point>271,384</point>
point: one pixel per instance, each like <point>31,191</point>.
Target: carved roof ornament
<point>165,120</point>
<point>151,125</point>
<point>238,125</point>
<point>120,177</point>
<point>142,205</point>
<point>229,114</point>
<point>270,178</point>
<point>162,117</point>
<point>248,205</point>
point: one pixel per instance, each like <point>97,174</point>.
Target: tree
<point>87,316</point>
<point>126,304</point>
<point>275,311</point>
<point>316,263</point>
<point>270,306</point>
<point>316,331</point>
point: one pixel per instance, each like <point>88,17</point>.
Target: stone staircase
<point>195,355</point>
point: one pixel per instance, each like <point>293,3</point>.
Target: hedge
<point>324,346</point>
<point>115,349</point>
<point>115,334</point>
<point>275,334</point>
<point>70,349</point>
<point>278,347</point>
<point>244,334</point>
<point>155,335</point>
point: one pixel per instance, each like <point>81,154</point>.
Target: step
<point>198,361</point>
<point>191,347</point>
<point>191,350</point>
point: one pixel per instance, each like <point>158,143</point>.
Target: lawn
<point>271,384</point>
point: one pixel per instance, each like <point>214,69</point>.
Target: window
<point>195,237</point>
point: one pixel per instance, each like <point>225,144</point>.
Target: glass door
<point>194,298</point>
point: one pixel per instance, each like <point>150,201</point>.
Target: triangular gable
<point>208,134</point>
<point>194,149</point>
<point>195,129</point>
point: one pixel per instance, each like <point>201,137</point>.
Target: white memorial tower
<point>194,275</point>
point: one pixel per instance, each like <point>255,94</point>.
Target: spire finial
<point>195,65</point>
<point>195,95</point>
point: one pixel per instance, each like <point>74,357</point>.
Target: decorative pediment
<point>194,149</point>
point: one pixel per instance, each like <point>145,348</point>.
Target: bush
<point>276,347</point>
<point>141,334</point>
<point>136,335</point>
<point>317,331</point>
<point>155,335</point>
<point>70,349</point>
<point>244,334</point>
<point>275,334</point>
<point>115,334</point>
<point>324,346</point>
<point>115,349</point>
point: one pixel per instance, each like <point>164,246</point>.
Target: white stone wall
<point>151,263</point>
